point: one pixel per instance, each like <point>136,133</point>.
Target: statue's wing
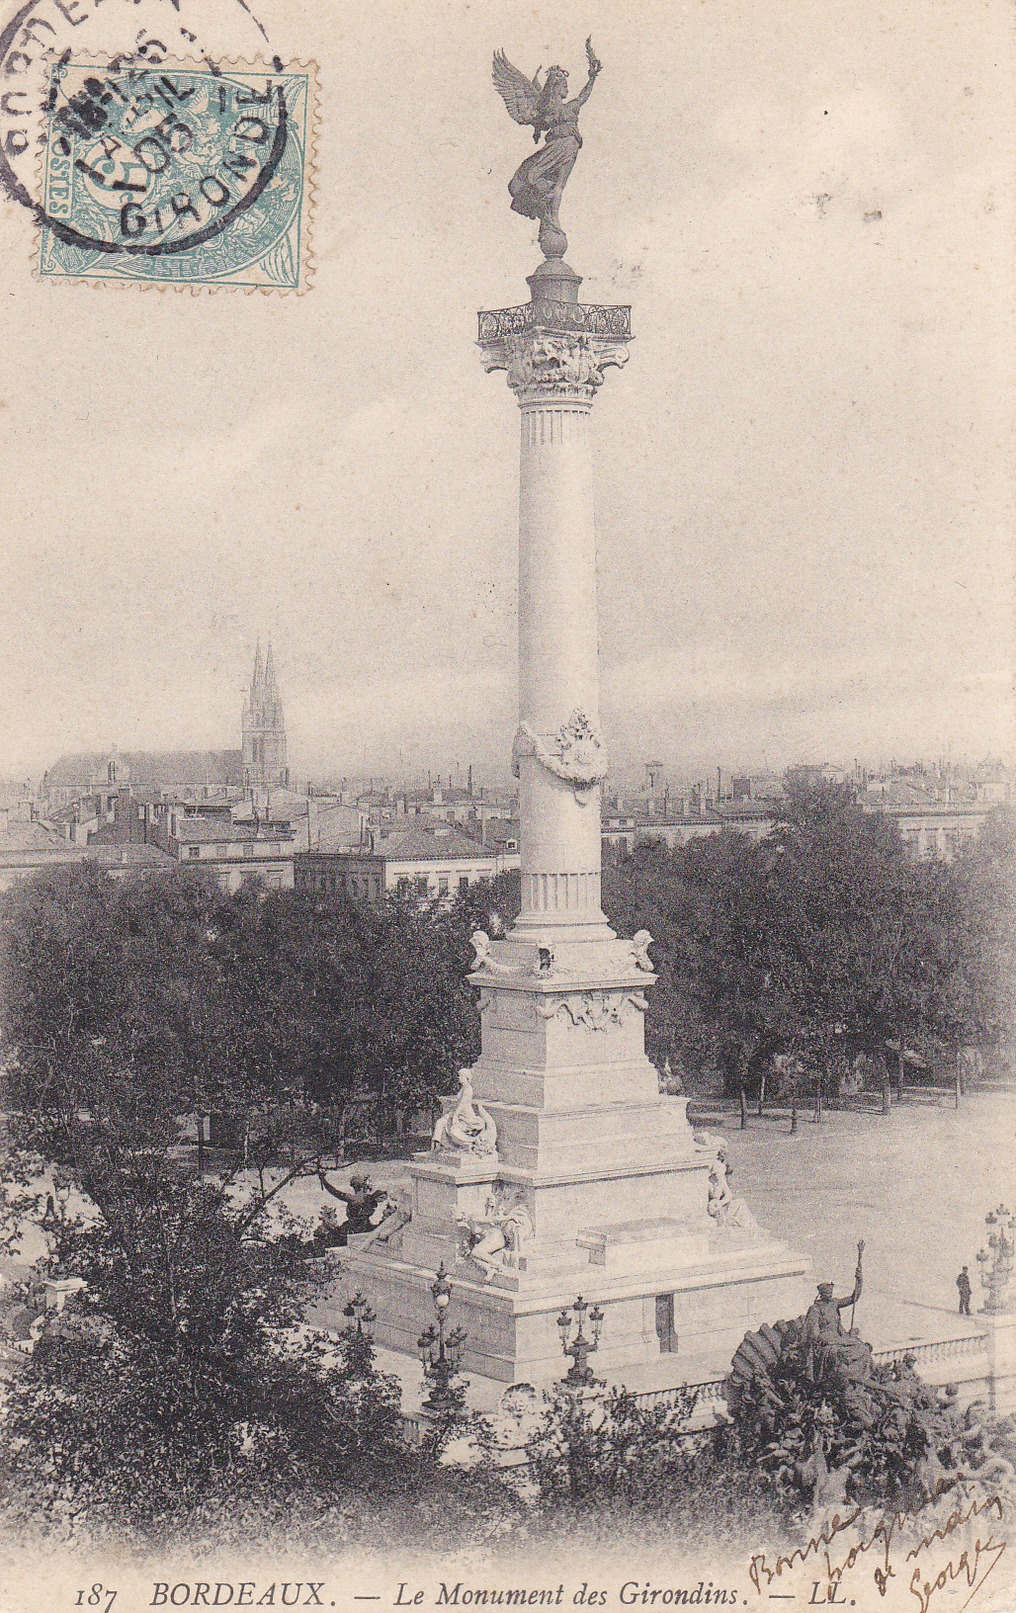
<point>518,92</point>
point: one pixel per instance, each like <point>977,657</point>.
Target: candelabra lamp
<point>579,1348</point>
<point>996,1265</point>
<point>358,1336</point>
<point>440,1351</point>
<point>360,1318</point>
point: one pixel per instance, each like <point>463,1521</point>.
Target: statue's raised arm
<point>595,68</point>
<point>537,185</point>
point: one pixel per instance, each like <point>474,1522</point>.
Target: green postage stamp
<point>182,174</point>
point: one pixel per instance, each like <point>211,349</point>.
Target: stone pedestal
<point>596,1185</point>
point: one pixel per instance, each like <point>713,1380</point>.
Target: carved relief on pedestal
<point>576,753</point>
<point>554,367</point>
<point>594,1010</point>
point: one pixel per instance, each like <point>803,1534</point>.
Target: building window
<point>463,883</point>
<point>442,884</point>
<point>193,851</point>
<point>422,885</point>
<point>403,886</point>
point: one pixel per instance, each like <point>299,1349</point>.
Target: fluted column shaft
<point>558,756</point>
<point>558,660</point>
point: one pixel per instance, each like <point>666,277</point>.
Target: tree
<point>818,942</point>
<point>179,1376</point>
<point>980,930</point>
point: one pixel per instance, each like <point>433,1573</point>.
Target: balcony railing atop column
<point>598,319</point>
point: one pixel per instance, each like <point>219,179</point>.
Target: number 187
<point>95,1598</point>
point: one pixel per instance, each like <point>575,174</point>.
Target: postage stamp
<point>177,173</point>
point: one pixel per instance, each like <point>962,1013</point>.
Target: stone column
<point>559,1167</point>
<point>555,351</point>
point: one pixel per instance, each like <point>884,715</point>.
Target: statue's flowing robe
<point>536,187</point>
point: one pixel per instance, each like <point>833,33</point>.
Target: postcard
<point>507,805</point>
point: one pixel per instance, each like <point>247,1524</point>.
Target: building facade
<point>432,862</point>
<point>206,837</point>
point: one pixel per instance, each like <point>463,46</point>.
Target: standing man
<point>963,1284</point>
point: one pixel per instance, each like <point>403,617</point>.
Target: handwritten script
<point>895,1551</point>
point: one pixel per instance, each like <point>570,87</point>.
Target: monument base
<point>664,1290</point>
<point>560,1170</point>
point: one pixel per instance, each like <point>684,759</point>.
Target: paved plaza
<point>915,1185</point>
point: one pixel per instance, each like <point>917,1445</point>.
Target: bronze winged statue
<point>537,185</point>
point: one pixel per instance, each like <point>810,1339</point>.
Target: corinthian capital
<point>544,367</point>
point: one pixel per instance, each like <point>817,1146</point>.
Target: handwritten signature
<point>967,1566</point>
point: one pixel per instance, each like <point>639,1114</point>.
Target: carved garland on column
<point>576,753</point>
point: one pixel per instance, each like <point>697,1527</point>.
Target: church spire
<point>264,728</point>
<point>257,675</point>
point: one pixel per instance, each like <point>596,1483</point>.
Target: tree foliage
<point>820,941</point>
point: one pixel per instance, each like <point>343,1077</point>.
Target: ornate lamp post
<point>580,1348</point>
<point>440,1353</point>
<point>360,1318</point>
<point>1002,1243</point>
<point>358,1335</point>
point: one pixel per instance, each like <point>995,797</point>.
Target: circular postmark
<point>132,132</point>
<point>149,161</point>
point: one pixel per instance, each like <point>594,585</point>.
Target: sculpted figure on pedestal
<point>361,1199</point>
<point>398,1214</point>
<point>495,1242</point>
<point>483,960</point>
<point>537,186</point>
<point>709,1142</point>
<point>468,1128</point>
<point>725,1209</point>
<point>822,1320</point>
<point>641,941</point>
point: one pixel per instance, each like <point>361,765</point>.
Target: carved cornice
<point>544,366</point>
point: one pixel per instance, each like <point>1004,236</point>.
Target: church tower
<point>264,729</point>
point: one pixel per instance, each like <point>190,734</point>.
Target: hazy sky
<point>804,475</point>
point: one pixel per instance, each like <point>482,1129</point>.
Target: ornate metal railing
<point>598,319</point>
